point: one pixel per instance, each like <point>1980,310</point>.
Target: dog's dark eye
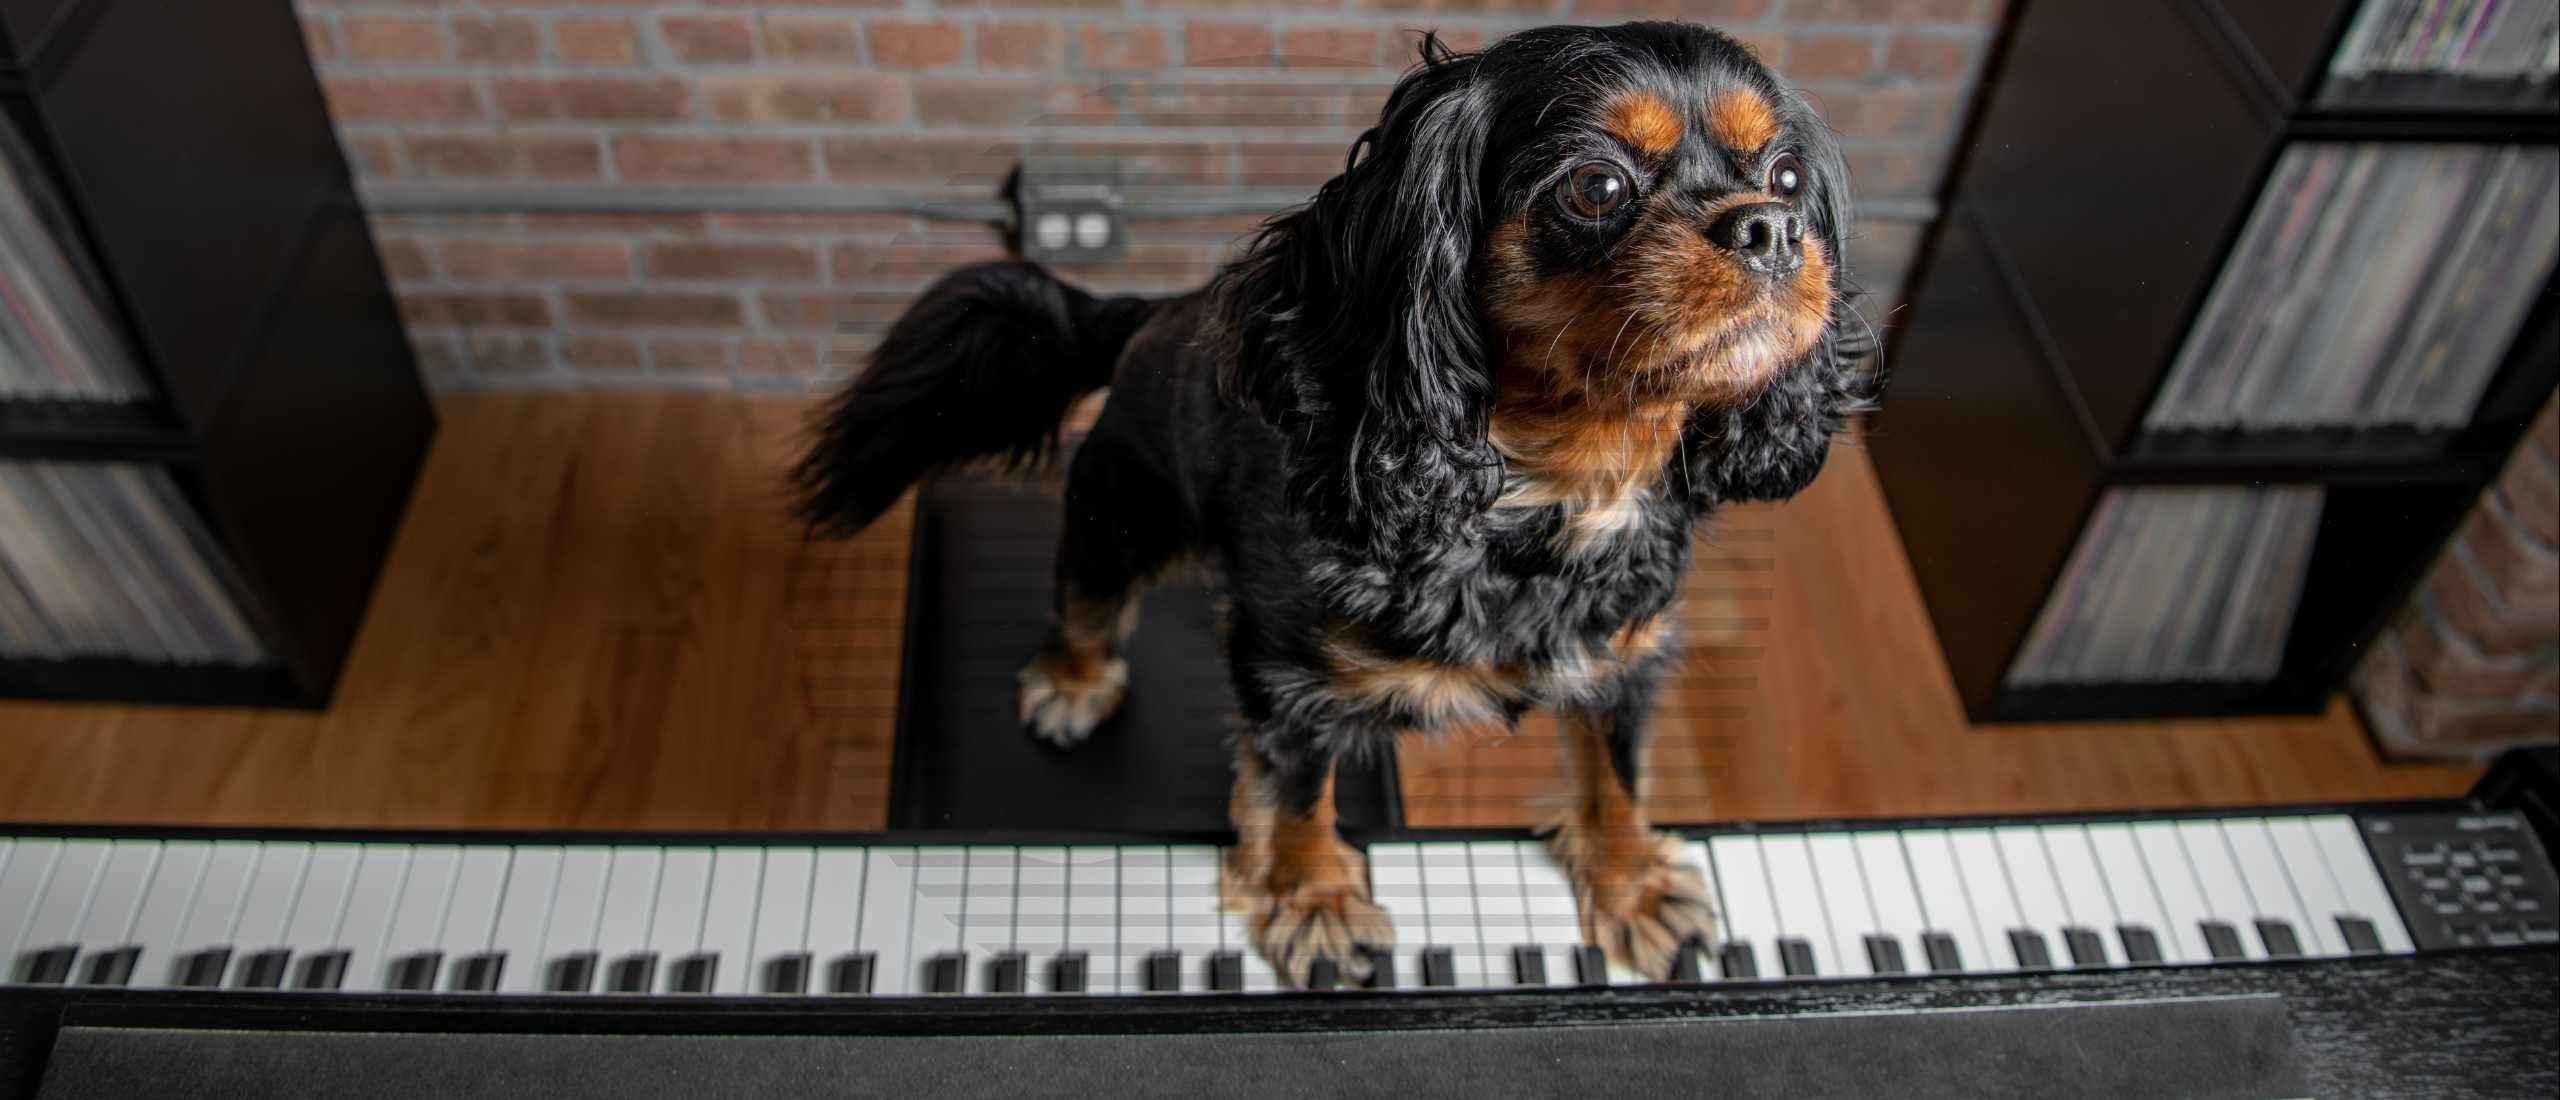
<point>1593,190</point>
<point>1786,176</point>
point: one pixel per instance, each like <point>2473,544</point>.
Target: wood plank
<point>600,615</point>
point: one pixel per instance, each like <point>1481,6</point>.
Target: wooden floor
<point>597,616</point>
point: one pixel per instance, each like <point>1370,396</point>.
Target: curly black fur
<point>1315,421</point>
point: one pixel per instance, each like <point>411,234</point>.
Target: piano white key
<point>2342,846</point>
<point>2134,888</point>
<point>2040,908</point>
<point>2225,895</point>
<point>1986,888</point>
<point>2322,904</point>
<point>1751,917</point>
<point>373,899</point>
<point>1093,914</point>
<point>729,918</point>
<point>1942,897</point>
<point>524,917</point>
<point>218,901</point>
<point>1844,895</point>
<point>1395,882</point>
<point>577,922</point>
<point>1695,853</point>
<point>675,923</point>
<point>1195,911</point>
<point>1235,933</point>
<point>2270,887</point>
<point>628,908</point>
<point>780,923</point>
<point>1555,921</point>
<point>417,922</point>
<point>986,915</point>
<point>2182,904</point>
<point>270,901</point>
<point>162,921</point>
<point>471,914</point>
<point>888,900</point>
<point>837,916</point>
<point>109,919</point>
<point>1449,911</point>
<point>1798,898</point>
<point>1040,912</point>
<point>2085,897</point>
<point>1502,911</point>
<point>320,903</point>
<point>1145,912</point>
<point>933,920</point>
<point>55,919</point>
<point>1897,904</point>
<point>23,873</point>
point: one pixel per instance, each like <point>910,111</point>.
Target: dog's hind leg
<point>1123,525</point>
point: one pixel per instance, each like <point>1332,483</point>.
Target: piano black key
<point>1009,972</point>
<point>2361,937</point>
<point>2222,940</point>
<point>943,972</point>
<point>1943,956</point>
<point>2280,939</point>
<point>111,967</point>
<point>1736,961</point>
<point>2030,948</point>
<point>2085,947</point>
<point>1382,968</point>
<point>1439,968</point>
<point>1795,956</point>
<point>1226,972</point>
<point>787,974</point>
<point>694,973</point>
<point>1884,955</point>
<point>851,972</point>
<point>203,969</point>
<point>1528,965</point>
<point>1066,972</point>
<point>571,973</point>
<point>324,970</point>
<point>50,966</point>
<point>1323,973</point>
<point>263,970</point>
<point>1164,972</point>
<point>2141,945</point>
<point>1590,965</point>
<point>633,973</point>
<point>416,973</point>
<point>479,973</point>
<point>1684,962</point>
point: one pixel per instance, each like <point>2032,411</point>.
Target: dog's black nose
<point>1766,237</point>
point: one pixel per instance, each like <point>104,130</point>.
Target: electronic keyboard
<point>891,916</point>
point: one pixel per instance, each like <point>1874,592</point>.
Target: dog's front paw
<point>1062,701</point>
<point>1324,916</point>
<point>1638,900</point>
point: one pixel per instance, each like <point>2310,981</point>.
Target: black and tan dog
<point>1444,431</point>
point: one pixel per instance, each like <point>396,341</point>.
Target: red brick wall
<point>541,105</point>
<point>2473,663</point>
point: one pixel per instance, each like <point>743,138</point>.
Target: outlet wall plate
<point>1069,215</point>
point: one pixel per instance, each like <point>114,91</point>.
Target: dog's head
<point>1641,213</point>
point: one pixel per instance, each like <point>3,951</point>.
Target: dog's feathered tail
<point>983,366</point>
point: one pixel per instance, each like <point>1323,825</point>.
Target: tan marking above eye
<point>1643,121</point>
<point>1742,119</point>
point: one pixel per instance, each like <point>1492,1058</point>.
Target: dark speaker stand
<point>978,602</point>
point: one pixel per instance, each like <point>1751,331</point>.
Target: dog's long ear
<point>1770,447</point>
<point>1357,333</point>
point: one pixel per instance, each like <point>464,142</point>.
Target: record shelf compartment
<point>2139,186</point>
<point>209,417</point>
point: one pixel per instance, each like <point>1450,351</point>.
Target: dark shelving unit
<point>2109,167</point>
<point>191,153</point>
